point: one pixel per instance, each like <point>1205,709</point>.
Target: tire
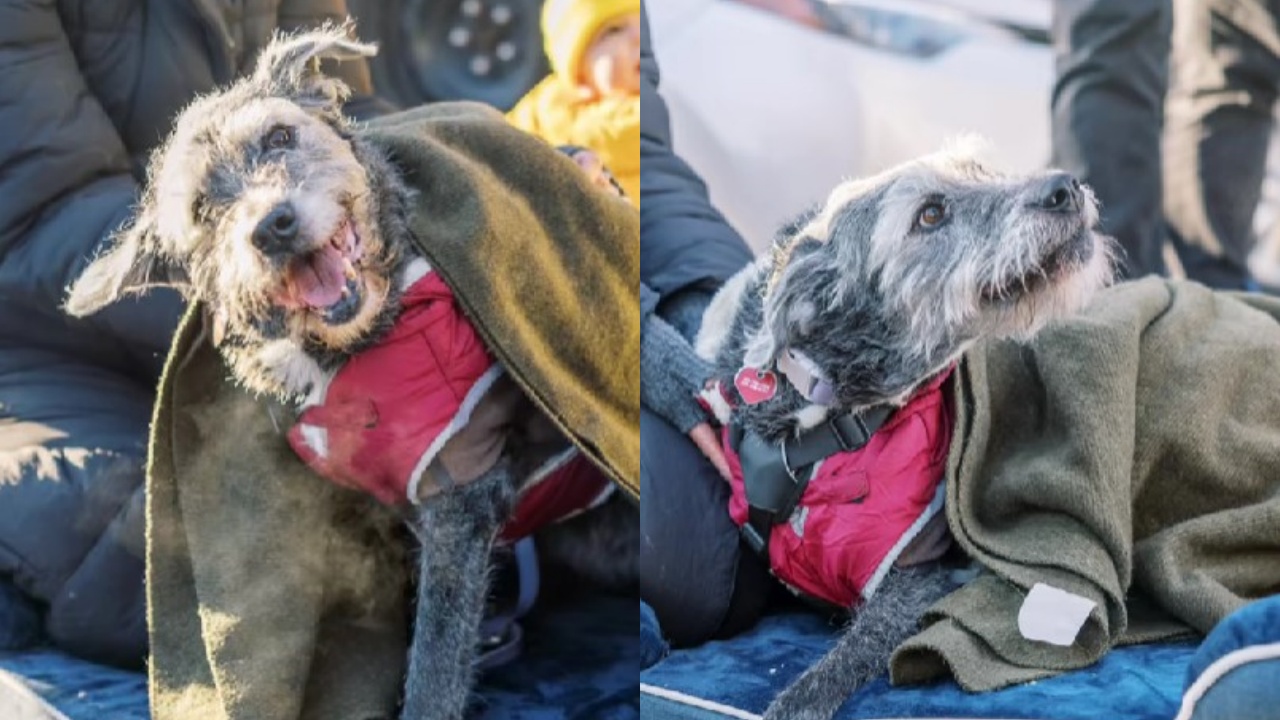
<point>486,50</point>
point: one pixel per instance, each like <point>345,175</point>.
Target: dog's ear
<point>797,284</point>
<point>290,66</point>
<point>131,265</point>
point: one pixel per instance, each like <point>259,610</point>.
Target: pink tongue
<point>318,279</point>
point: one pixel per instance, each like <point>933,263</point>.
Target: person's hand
<point>591,164</point>
<point>708,442</point>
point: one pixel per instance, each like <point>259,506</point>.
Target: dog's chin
<point>286,354</point>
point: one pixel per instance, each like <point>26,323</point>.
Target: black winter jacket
<point>687,251</point>
<point>684,242</point>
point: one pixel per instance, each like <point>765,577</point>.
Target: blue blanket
<point>580,663</point>
<point>737,678</point>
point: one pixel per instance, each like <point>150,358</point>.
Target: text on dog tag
<point>755,386</point>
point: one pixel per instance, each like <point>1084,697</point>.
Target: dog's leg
<point>862,653</point>
<point>457,529</point>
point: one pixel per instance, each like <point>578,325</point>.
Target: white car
<point>775,101</point>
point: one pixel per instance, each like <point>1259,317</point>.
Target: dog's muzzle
<point>325,279</point>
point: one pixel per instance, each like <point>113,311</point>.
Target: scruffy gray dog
<point>882,287</point>
<point>261,189</point>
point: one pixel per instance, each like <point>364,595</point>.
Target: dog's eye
<point>931,215</point>
<point>277,138</point>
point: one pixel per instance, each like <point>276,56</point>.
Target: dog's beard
<point>1063,283</point>
<point>1006,297</point>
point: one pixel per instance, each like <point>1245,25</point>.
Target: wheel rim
<point>488,50</point>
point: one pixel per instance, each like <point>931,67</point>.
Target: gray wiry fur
<point>881,302</point>
<point>861,654</point>
<point>457,531</point>
<point>213,181</point>
<point>217,182</point>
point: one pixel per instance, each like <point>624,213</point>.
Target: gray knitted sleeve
<point>671,374</point>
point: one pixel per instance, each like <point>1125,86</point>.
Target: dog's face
<point>268,210</point>
<point>893,277</point>
<point>259,206</point>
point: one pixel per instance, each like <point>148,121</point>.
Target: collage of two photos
<point>620,359</point>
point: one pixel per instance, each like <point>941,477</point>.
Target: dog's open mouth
<point>326,280</point>
<point>1061,260</point>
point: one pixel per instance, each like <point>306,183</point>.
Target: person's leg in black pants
<point>695,573</point>
<point>1225,70</point>
<point>1108,98</point>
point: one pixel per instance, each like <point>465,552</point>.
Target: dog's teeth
<point>349,239</point>
<point>349,268</point>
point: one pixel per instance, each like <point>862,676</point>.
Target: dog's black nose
<point>1059,193</point>
<point>277,231</point>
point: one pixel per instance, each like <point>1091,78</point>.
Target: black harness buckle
<point>775,475</point>
<point>841,424</point>
<point>758,543</point>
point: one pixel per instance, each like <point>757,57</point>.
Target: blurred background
<point>775,101</point>
<point>487,50</point>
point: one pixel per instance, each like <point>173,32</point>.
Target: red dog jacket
<point>861,508</point>
<point>385,421</point>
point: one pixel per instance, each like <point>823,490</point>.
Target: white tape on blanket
<point>1052,615</point>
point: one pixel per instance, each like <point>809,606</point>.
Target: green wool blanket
<point>273,594</point>
<point>1129,456</point>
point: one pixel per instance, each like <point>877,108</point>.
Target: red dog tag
<point>755,386</point>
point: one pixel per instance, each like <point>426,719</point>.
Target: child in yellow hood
<point>592,97</point>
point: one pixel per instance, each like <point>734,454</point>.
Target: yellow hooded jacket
<point>554,111</point>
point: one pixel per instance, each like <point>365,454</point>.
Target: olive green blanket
<point>273,594</point>
<point>1130,456</point>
